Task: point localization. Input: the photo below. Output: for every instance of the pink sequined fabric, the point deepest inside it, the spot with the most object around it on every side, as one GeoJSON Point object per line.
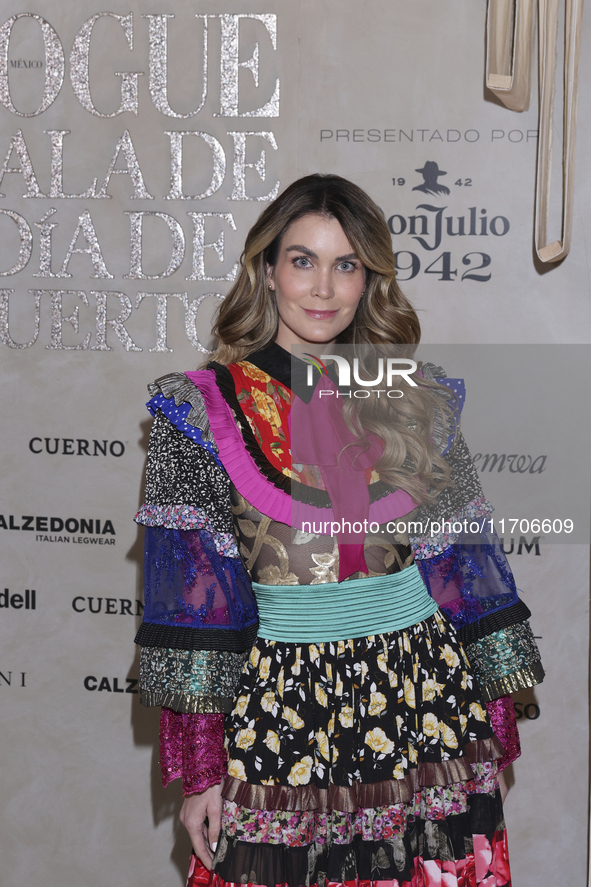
{"type": "Point", "coordinates": [502, 715]}
{"type": "Point", "coordinates": [192, 748]}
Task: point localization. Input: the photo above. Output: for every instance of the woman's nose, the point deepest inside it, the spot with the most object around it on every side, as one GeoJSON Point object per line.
{"type": "Point", "coordinates": [323, 287]}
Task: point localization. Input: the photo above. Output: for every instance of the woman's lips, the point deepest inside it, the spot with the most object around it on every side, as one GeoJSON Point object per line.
{"type": "Point", "coordinates": [320, 315]}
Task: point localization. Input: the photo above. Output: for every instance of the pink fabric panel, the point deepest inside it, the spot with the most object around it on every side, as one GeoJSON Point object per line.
{"type": "Point", "coordinates": [255, 488]}
{"type": "Point", "coordinates": [502, 715]}
{"type": "Point", "coordinates": [192, 749]}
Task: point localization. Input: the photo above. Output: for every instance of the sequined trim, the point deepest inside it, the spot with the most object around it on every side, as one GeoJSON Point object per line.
{"type": "Point", "coordinates": [187, 704]}
{"type": "Point", "coordinates": [431, 546]}
{"type": "Point", "coordinates": [187, 517]}
{"type": "Point", "coordinates": [506, 661]}
{"type": "Point", "coordinates": [189, 681]}
{"type": "Point", "coordinates": [192, 747]}
{"type": "Point", "coordinates": [181, 472]}
{"type": "Point", "coordinates": [519, 680]}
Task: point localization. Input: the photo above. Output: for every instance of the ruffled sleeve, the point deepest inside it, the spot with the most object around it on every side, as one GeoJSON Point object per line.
{"type": "Point", "coordinates": [466, 571]}
{"type": "Point", "coordinates": [200, 616]}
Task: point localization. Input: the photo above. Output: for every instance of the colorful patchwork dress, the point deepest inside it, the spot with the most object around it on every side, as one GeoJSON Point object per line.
{"type": "Point", "coordinates": [362, 739]}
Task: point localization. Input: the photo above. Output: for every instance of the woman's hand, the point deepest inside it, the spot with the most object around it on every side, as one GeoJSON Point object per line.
{"type": "Point", "coordinates": [195, 810]}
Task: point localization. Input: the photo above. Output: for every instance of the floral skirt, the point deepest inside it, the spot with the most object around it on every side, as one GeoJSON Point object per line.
{"type": "Point", "coordinates": [368, 761]}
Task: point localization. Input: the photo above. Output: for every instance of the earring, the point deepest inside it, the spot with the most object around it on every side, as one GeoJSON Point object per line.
{"type": "Point", "coordinates": [271, 289]}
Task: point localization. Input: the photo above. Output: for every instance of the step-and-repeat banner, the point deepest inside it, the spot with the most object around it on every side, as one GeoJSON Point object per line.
{"type": "Point", "coordinates": [138, 143]}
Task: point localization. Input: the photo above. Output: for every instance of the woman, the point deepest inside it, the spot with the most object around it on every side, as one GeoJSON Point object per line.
{"type": "Point", "coordinates": [359, 745]}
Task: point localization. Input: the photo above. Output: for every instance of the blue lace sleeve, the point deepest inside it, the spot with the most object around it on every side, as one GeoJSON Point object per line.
{"type": "Point", "coordinates": [188, 583]}
{"type": "Point", "coordinates": [470, 578]}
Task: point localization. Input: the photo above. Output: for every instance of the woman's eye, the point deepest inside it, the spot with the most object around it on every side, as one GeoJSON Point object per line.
{"type": "Point", "coordinates": [302, 262]}
{"type": "Point", "coordinates": [347, 266]}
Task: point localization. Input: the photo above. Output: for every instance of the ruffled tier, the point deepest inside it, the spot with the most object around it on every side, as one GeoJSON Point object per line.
{"type": "Point", "coordinates": [371, 823]}
{"type": "Point", "coordinates": [450, 836]}
{"type": "Point", "coordinates": [189, 681]}
{"type": "Point", "coordinates": [351, 798]}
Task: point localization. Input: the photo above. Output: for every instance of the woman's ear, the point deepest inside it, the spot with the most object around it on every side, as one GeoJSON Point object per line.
{"type": "Point", "coordinates": [270, 277]}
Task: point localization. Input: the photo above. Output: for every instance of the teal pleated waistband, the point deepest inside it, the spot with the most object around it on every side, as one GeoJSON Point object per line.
{"type": "Point", "coordinates": [336, 611]}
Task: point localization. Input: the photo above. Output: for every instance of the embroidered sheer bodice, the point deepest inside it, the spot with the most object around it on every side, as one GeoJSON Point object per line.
{"type": "Point", "coordinates": [276, 554]}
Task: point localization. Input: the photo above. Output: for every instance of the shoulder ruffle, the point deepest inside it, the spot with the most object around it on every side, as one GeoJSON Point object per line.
{"type": "Point", "coordinates": [179, 387]}
{"type": "Point", "coordinates": [182, 403]}
{"type": "Point", "coordinates": [225, 385]}
{"type": "Point", "coordinates": [444, 437]}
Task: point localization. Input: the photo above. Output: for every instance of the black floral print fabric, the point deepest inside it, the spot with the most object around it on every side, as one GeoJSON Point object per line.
{"type": "Point", "coordinates": [359, 711]}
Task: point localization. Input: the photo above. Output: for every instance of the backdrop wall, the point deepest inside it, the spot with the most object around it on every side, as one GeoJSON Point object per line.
{"type": "Point", "coordinates": [139, 141]}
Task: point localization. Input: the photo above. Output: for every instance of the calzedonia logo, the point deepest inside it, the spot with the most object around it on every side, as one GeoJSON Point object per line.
{"type": "Point", "coordinates": [74, 530]}
{"type": "Point", "coordinates": [111, 685]}
{"type": "Point", "coordinates": [388, 369]}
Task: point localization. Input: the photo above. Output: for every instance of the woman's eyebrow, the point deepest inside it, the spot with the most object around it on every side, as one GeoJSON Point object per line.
{"type": "Point", "coordinates": [308, 252]}
{"type": "Point", "coordinates": [301, 249]}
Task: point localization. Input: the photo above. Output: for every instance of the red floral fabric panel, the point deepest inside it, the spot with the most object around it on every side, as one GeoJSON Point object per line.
{"type": "Point", "coordinates": [487, 866]}
{"type": "Point", "coordinates": [266, 404]}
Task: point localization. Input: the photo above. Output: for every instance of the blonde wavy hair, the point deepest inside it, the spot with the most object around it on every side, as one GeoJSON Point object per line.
{"type": "Point", "coordinates": [247, 321]}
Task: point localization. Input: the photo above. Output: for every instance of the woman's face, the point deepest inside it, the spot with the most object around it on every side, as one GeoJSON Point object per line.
{"type": "Point", "coordinates": [318, 281]}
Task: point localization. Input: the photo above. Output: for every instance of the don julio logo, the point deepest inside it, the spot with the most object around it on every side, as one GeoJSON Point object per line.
{"type": "Point", "coordinates": [16, 601]}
